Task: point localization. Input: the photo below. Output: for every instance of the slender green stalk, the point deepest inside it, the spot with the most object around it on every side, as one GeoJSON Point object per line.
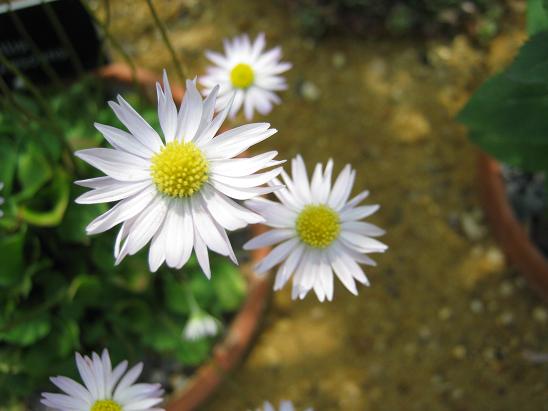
{"type": "Point", "coordinates": [113, 41]}
{"type": "Point", "coordinates": [42, 102]}
{"type": "Point", "coordinates": [167, 42]}
{"type": "Point", "coordinates": [60, 31]}
{"type": "Point", "coordinates": [48, 69]}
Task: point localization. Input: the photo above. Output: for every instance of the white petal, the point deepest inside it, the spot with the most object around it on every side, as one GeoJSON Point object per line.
{"type": "Point", "coordinates": [226, 212]}
{"type": "Point", "coordinates": [123, 141]}
{"type": "Point", "coordinates": [208, 229]}
{"type": "Point", "coordinates": [363, 228]}
{"type": "Point", "coordinates": [146, 226]}
{"type": "Point", "coordinates": [358, 213]}
{"type": "Point", "coordinates": [122, 211]}
{"type": "Point", "coordinates": [239, 193]}
{"type": "Point", "coordinates": [252, 180]}
{"type": "Point", "coordinates": [344, 274]}
{"type": "Point", "coordinates": [201, 253]}
{"type": "Point", "coordinates": [136, 124]}
{"type": "Point", "coordinates": [128, 379]}
{"type": "Point", "coordinates": [269, 238]}
{"type": "Point", "coordinates": [72, 388]}
{"type": "Point", "coordinates": [192, 116]}
{"type": "Point", "coordinates": [167, 111]}
{"type": "Point", "coordinates": [356, 200]}
{"type": "Point", "coordinates": [208, 110]}
{"type": "Point", "coordinates": [288, 267]}
{"type": "Point", "coordinates": [278, 254]}
{"type": "Point", "coordinates": [275, 214]}
{"type": "Point", "coordinates": [341, 188]}
{"type": "Point", "coordinates": [113, 191]}
{"type": "Point", "coordinates": [233, 142]}
{"type": "Point", "coordinates": [117, 164]}
{"type": "Point", "coordinates": [362, 243]}
{"type": "Point", "coordinates": [238, 167]}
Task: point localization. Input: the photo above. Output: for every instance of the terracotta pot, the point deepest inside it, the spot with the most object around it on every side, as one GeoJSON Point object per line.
{"type": "Point", "coordinates": [227, 353]}
{"type": "Point", "coordinates": [509, 232]}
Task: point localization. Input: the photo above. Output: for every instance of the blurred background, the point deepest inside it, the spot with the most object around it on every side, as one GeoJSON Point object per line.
{"type": "Point", "coordinates": [447, 323]}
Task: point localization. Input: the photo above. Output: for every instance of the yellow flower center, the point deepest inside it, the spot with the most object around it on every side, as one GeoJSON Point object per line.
{"type": "Point", "coordinates": [105, 405]}
{"type": "Point", "coordinates": [318, 225]}
{"type": "Point", "coordinates": [179, 170]}
{"type": "Point", "coordinates": [242, 76]}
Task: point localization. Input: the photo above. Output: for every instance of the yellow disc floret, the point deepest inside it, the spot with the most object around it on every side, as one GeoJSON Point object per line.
{"type": "Point", "coordinates": [318, 225]}
{"type": "Point", "coordinates": [106, 405]}
{"type": "Point", "coordinates": [179, 170]}
{"type": "Point", "coordinates": [242, 76]}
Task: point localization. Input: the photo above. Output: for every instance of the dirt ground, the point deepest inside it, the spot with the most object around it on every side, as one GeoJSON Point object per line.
{"type": "Point", "coordinates": [445, 325]}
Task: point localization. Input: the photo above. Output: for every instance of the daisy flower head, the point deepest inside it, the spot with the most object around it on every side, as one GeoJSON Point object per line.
{"type": "Point", "coordinates": [201, 325]}
{"type": "Point", "coordinates": [319, 231]}
{"type": "Point", "coordinates": [284, 406]}
{"type": "Point", "coordinates": [104, 389]}
{"type": "Point", "coordinates": [254, 74]}
{"type": "Point", "coordinates": [176, 192]}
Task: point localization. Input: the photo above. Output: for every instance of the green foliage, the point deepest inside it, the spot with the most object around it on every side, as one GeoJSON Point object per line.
{"type": "Point", "coordinates": [59, 289]}
{"type": "Point", "coordinates": [537, 16]}
{"type": "Point", "coordinates": [507, 115]}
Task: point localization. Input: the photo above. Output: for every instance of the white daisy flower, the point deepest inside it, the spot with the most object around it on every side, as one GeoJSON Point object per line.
{"type": "Point", "coordinates": [319, 231]}
{"type": "Point", "coordinates": [176, 192]}
{"type": "Point", "coordinates": [1, 198]}
{"type": "Point", "coordinates": [249, 71]}
{"type": "Point", "coordinates": [201, 325]}
{"type": "Point", "coordinates": [104, 389]}
{"type": "Point", "coordinates": [284, 406]}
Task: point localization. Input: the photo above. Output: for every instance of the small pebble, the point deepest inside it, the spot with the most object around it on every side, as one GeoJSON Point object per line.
{"type": "Point", "coordinates": [425, 333]}
{"type": "Point", "coordinates": [310, 91]}
{"type": "Point", "coordinates": [445, 313]}
{"type": "Point", "coordinates": [457, 393]}
{"type": "Point", "coordinates": [506, 289]}
{"type": "Point", "coordinates": [338, 60]}
{"type": "Point", "coordinates": [489, 353]}
{"type": "Point", "coordinates": [459, 352]}
{"type": "Point", "coordinates": [476, 306]}
{"type": "Point", "coordinates": [540, 314]}
{"type": "Point", "coordinates": [506, 318]}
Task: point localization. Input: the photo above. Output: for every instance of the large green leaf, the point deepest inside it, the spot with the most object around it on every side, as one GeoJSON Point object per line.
{"type": "Point", "coordinates": [537, 16]}
{"type": "Point", "coordinates": [58, 196]}
{"type": "Point", "coordinates": [229, 286]}
{"type": "Point", "coordinates": [11, 257]}
{"type": "Point", "coordinates": [531, 63]}
{"type": "Point", "coordinates": [27, 331]}
{"type": "Point", "coordinates": [509, 119]}
{"type": "Point", "coordinates": [33, 169]}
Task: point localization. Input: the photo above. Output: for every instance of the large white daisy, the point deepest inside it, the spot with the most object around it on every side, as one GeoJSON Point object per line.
{"type": "Point", "coordinates": [319, 231]}
{"type": "Point", "coordinates": [284, 406]}
{"type": "Point", "coordinates": [176, 192]}
{"type": "Point", "coordinates": [104, 389]}
{"type": "Point", "coordinates": [252, 73]}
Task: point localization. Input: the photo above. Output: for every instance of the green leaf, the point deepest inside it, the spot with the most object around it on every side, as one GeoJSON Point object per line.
{"type": "Point", "coordinates": [28, 331]}
{"type": "Point", "coordinates": [8, 162]}
{"type": "Point", "coordinates": [531, 63]}
{"type": "Point", "coordinates": [59, 198]}
{"type": "Point", "coordinates": [537, 16]}
{"type": "Point", "coordinates": [229, 286]}
{"type": "Point", "coordinates": [77, 217]}
{"type": "Point", "coordinates": [509, 120]}
{"type": "Point", "coordinates": [33, 170]}
{"type": "Point", "coordinates": [175, 295]}
{"type": "Point", "coordinates": [11, 258]}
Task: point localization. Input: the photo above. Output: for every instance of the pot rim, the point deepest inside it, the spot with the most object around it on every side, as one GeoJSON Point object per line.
{"type": "Point", "coordinates": [508, 231]}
